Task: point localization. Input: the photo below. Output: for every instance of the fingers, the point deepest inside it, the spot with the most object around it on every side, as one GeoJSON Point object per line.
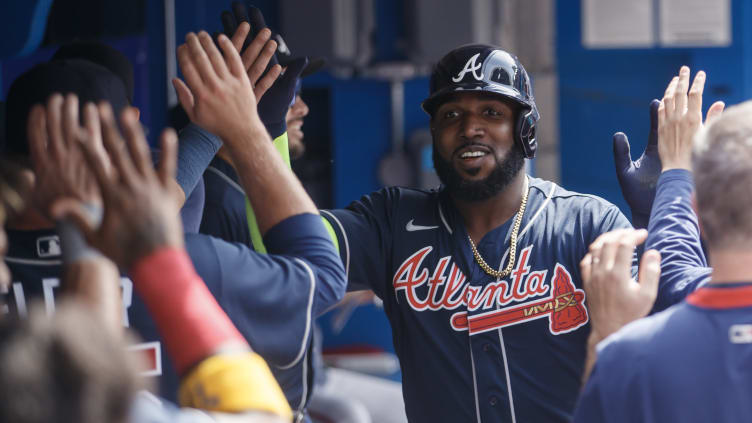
{"type": "Point", "coordinates": [258, 54]}
{"type": "Point", "coordinates": [295, 68]}
{"type": "Point", "coordinates": [611, 253]}
{"type": "Point", "coordinates": [662, 119]}
{"type": "Point", "coordinates": [263, 85]}
{"type": "Point", "coordinates": [232, 57]}
{"type": "Point", "coordinates": [185, 97]}
{"type": "Point", "coordinates": [240, 35]}
{"type": "Point", "coordinates": [714, 111]}
{"type": "Point", "coordinates": [190, 72]}
{"type": "Point", "coordinates": [54, 128]}
{"type": "Point", "coordinates": [668, 96]}
{"type": "Point", "coordinates": [37, 133]}
{"type": "Point", "coordinates": [94, 135]}
{"type": "Point", "coordinates": [113, 143]}
{"type": "Point", "coordinates": [622, 157]}
{"type": "Point", "coordinates": [228, 23]}
{"type": "Point", "coordinates": [97, 161]}
{"type": "Point", "coordinates": [239, 11]}
{"type": "Point", "coordinates": [215, 57]}
{"type": "Point", "coordinates": [71, 126]}
{"type": "Point", "coordinates": [136, 142]}
{"type": "Point", "coordinates": [680, 95]}
{"type": "Point", "coordinates": [650, 273]}
{"type": "Point", "coordinates": [694, 104]}
{"type": "Point", "coordinates": [198, 57]}
{"type": "Point", "coordinates": [168, 161]}
{"type": "Point", "coordinates": [626, 247]}
{"type": "Point", "coordinates": [653, 134]}
{"type": "Point", "coordinates": [585, 268]}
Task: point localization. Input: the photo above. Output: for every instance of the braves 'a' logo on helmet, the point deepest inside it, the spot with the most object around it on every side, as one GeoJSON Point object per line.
{"type": "Point", "coordinates": [471, 66]}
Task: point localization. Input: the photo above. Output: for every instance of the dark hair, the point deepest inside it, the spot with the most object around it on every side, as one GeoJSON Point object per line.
{"type": "Point", "coordinates": [103, 55]}
{"type": "Point", "coordinates": [89, 81]}
{"type": "Point", "coordinates": [67, 368]}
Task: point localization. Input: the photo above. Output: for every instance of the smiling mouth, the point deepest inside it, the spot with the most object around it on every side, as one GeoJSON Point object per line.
{"type": "Point", "coordinates": [472, 154]}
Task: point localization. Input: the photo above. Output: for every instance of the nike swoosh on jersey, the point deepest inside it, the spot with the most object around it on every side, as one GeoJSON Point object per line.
{"type": "Point", "coordinates": [410, 227]}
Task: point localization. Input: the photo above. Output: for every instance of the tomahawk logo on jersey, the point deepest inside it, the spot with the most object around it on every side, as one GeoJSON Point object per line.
{"type": "Point", "coordinates": [564, 306]}
{"type": "Point", "coordinates": [471, 347]}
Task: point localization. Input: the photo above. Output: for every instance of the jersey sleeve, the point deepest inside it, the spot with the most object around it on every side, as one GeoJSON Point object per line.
{"type": "Point", "coordinates": [673, 231]}
{"type": "Point", "coordinates": [266, 295]}
{"type": "Point", "coordinates": [364, 237]}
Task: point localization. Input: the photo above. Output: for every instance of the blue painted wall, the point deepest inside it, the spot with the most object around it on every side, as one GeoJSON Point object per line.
{"type": "Point", "coordinates": [605, 91]}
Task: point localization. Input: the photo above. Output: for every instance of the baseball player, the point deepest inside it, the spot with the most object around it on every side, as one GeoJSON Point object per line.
{"type": "Point", "coordinates": [480, 278]}
{"type": "Point", "coordinates": [639, 180]}
{"type": "Point", "coordinates": [689, 363]}
{"type": "Point", "coordinates": [273, 308]}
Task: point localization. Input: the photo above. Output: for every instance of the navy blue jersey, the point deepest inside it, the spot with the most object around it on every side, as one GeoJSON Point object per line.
{"type": "Point", "coordinates": [224, 209]}
{"type": "Point", "coordinates": [271, 298]}
{"type": "Point", "coordinates": [673, 231]}
{"type": "Point", "coordinates": [35, 264]}
{"type": "Point", "coordinates": [690, 363]}
{"type": "Point", "coordinates": [473, 348]}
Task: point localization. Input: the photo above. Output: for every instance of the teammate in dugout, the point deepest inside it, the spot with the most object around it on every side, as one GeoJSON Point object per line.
{"type": "Point", "coordinates": [81, 351]}
{"type": "Point", "coordinates": [706, 341]}
{"type": "Point", "coordinates": [480, 279]}
{"type": "Point", "coordinates": [291, 224]}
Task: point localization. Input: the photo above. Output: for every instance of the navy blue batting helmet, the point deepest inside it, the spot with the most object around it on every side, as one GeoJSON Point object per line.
{"type": "Point", "coordinates": [480, 67]}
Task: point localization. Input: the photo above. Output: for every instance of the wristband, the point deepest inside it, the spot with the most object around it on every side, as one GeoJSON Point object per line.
{"type": "Point", "coordinates": [72, 242]}
{"type": "Point", "coordinates": [191, 323]}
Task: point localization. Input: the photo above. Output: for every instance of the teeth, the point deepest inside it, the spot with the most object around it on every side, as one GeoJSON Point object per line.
{"type": "Point", "coordinates": [469, 154]}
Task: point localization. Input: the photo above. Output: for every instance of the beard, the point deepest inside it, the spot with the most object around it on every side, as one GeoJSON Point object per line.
{"type": "Point", "coordinates": [474, 191]}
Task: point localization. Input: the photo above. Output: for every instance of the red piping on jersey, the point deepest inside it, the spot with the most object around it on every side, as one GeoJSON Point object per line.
{"type": "Point", "coordinates": [720, 298]}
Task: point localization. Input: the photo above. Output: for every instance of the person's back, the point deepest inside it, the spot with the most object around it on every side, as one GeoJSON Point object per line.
{"type": "Point", "coordinates": [686, 364]}
{"type": "Point", "coordinates": [693, 361]}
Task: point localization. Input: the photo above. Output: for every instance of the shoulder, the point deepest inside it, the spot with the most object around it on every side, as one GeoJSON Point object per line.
{"type": "Point", "coordinates": [644, 339]}
{"type": "Point", "coordinates": [558, 194]}
{"type": "Point", "coordinates": [568, 206]}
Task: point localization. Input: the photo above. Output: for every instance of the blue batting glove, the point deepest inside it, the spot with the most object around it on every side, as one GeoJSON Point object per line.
{"type": "Point", "coordinates": [638, 178]}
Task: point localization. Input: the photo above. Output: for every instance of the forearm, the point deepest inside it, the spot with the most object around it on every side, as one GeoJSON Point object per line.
{"type": "Point", "coordinates": [196, 149]}
{"type": "Point", "coordinates": [675, 233]}
{"type": "Point", "coordinates": [267, 180]}
{"type": "Point", "coordinates": [96, 282]}
{"type": "Point", "coordinates": [305, 236]}
{"type": "Point", "coordinates": [189, 319]}
{"type": "Point", "coordinates": [91, 277]}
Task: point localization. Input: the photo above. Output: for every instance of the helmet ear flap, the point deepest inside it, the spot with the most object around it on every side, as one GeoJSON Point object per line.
{"type": "Point", "coordinates": [525, 132]}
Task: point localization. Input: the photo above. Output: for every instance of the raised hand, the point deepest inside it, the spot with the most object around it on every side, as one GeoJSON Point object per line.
{"type": "Point", "coordinates": [54, 133]}
{"type": "Point", "coordinates": [637, 179]}
{"type": "Point", "coordinates": [613, 297]}
{"type": "Point", "coordinates": [680, 117]}
{"type": "Point", "coordinates": [217, 93]}
{"type": "Point", "coordinates": [140, 215]}
{"type": "Point", "coordinates": [256, 57]}
{"type": "Point", "coordinates": [273, 107]}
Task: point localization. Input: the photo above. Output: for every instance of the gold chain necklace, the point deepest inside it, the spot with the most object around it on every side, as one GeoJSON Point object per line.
{"type": "Point", "coordinates": [512, 243]}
